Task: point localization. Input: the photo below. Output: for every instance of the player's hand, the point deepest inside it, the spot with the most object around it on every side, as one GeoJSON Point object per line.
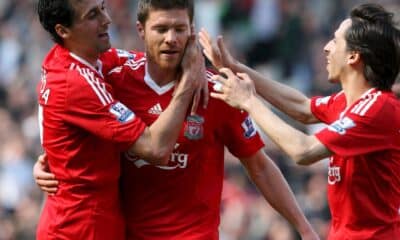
{"type": "Point", "coordinates": [235, 90]}
{"type": "Point", "coordinates": [216, 52]}
{"type": "Point", "coordinates": [194, 73]}
{"type": "Point", "coordinates": [396, 89]}
{"type": "Point", "coordinates": [199, 92]}
{"type": "Point", "coordinates": [43, 177]}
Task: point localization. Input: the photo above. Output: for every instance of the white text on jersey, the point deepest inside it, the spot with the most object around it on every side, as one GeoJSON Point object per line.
{"type": "Point", "coordinates": [177, 160]}
{"type": "Point", "coordinates": [44, 93]}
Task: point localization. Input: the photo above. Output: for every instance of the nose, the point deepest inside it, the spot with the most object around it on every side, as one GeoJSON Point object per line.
{"type": "Point", "coordinates": [327, 47]}
{"type": "Point", "coordinates": [106, 18]}
{"type": "Point", "coordinates": [171, 37]}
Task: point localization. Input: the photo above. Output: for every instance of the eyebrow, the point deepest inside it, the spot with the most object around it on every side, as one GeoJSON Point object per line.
{"type": "Point", "coordinates": [169, 25]}
{"type": "Point", "coordinates": [92, 9]}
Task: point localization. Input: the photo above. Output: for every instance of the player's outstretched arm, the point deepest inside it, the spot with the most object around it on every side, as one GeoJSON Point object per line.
{"type": "Point", "coordinates": [272, 185]}
{"type": "Point", "coordinates": [238, 91]}
{"type": "Point", "coordinates": [158, 140]}
{"type": "Point", "coordinates": [43, 177]}
{"type": "Point", "coordinates": [283, 97]}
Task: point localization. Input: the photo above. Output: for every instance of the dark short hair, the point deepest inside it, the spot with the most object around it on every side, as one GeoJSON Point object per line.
{"type": "Point", "coordinates": [373, 34]}
{"type": "Point", "coordinates": [53, 12]}
{"type": "Point", "coordinates": [145, 6]}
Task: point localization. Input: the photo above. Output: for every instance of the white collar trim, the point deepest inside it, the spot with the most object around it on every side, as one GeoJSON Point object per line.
{"type": "Point", "coordinates": [153, 85]}
{"type": "Point", "coordinates": [366, 93]}
{"type": "Point", "coordinates": [363, 96]}
{"type": "Point", "coordinates": [97, 68]}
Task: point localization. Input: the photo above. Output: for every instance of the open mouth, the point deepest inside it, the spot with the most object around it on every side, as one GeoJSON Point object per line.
{"type": "Point", "coordinates": [104, 36]}
{"type": "Point", "coordinates": [169, 52]}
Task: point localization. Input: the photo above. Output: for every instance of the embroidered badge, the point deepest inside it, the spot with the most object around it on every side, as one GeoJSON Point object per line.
{"type": "Point", "coordinates": [125, 54]}
{"type": "Point", "coordinates": [121, 112]}
{"type": "Point", "coordinates": [194, 127]}
{"type": "Point", "coordinates": [248, 127]}
{"type": "Point", "coordinates": [340, 126]}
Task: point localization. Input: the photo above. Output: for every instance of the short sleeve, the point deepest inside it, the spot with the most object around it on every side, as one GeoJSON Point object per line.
{"type": "Point", "coordinates": [325, 108]}
{"type": "Point", "coordinates": [91, 106]}
{"type": "Point", "coordinates": [238, 132]}
{"type": "Point", "coordinates": [356, 135]}
{"type": "Point", "coordinates": [114, 58]}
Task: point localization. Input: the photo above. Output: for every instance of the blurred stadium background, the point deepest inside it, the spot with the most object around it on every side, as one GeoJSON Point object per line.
{"type": "Point", "coordinates": [282, 38]}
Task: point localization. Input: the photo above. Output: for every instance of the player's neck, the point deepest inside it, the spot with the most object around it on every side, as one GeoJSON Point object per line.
{"type": "Point", "coordinates": [354, 86]}
{"type": "Point", "coordinates": [88, 56]}
{"type": "Point", "coordinates": [161, 76]}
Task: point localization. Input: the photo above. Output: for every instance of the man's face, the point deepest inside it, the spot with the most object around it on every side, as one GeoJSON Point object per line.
{"type": "Point", "coordinates": [337, 55]}
{"type": "Point", "coordinates": [89, 31]}
{"type": "Point", "coordinates": [165, 34]}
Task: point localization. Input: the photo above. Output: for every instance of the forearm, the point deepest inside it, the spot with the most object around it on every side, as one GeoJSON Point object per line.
{"type": "Point", "coordinates": [166, 129]}
{"type": "Point", "coordinates": [287, 99]}
{"type": "Point", "coordinates": [276, 191]}
{"type": "Point", "coordinates": [158, 140]}
{"type": "Point", "coordinates": [303, 149]}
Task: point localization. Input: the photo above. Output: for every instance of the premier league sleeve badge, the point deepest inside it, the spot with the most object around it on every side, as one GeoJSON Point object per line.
{"type": "Point", "coordinates": [194, 127]}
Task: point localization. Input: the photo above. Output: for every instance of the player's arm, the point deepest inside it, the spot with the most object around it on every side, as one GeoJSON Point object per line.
{"type": "Point", "coordinates": [272, 185]}
{"type": "Point", "coordinates": [287, 99]}
{"type": "Point", "coordinates": [283, 97]}
{"type": "Point", "coordinates": [239, 92]}
{"type": "Point", "coordinates": [302, 148]}
{"type": "Point", "coordinates": [157, 141]}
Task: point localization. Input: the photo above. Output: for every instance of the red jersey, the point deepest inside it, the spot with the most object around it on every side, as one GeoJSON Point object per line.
{"type": "Point", "coordinates": [83, 130]}
{"type": "Point", "coordinates": [181, 200]}
{"type": "Point", "coordinates": [364, 172]}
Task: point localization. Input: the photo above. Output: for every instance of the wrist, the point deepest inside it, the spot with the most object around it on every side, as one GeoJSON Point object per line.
{"type": "Point", "coordinates": [185, 87]}
{"type": "Point", "coordinates": [182, 94]}
{"type": "Point", "coordinates": [236, 66]}
{"type": "Point", "coordinates": [249, 104]}
{"type": "Point", "coordinates": [306, 231]}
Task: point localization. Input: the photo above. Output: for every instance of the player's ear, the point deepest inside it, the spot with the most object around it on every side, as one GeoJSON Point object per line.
{"type": "Point", "coordinates": [353, 57]}
{"type": "Point", "coordinates": [140, 29]}
{"type": "Point", "coordinates": [62, 31]}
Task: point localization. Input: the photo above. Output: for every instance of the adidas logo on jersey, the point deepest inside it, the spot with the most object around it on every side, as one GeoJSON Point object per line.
{"type": "Point", "coordinates": [156, 109]}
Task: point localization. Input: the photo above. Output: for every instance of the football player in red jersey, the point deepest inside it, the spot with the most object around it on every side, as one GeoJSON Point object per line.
{"type": "Point", "coordinates": [362, 136]}
{"type": "Point", "coordinates": [182, 199]}
{"type": "Point", "coordinates": [83, 127]}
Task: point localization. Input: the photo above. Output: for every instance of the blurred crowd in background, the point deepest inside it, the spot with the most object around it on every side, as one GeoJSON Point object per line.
{"type": "Point", "coordinates": [283, 39]}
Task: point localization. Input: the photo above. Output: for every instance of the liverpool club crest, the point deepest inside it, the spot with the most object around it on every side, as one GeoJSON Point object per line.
{"type": "Point", "coordinates": [194, 127]}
